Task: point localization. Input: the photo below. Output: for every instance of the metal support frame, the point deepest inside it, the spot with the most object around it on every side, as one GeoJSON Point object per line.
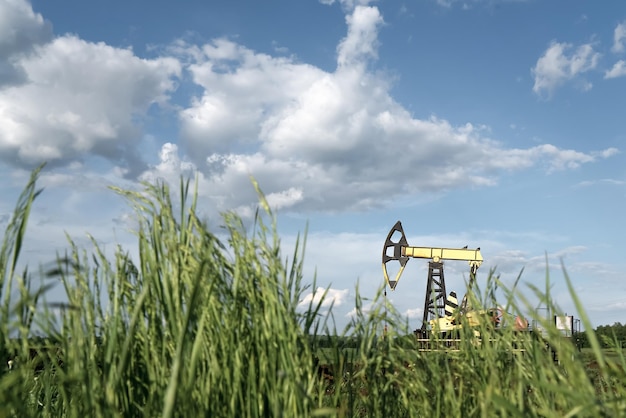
{"type": "Point", "coordinates": [435, 300]}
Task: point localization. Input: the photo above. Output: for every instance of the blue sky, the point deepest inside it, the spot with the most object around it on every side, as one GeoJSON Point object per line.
{"type": "Point", "coordinates": [494, 124]}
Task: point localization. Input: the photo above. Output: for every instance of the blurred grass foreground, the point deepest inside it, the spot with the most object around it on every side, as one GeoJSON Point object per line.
{"type": "Point", "coordinates": [199, 326]}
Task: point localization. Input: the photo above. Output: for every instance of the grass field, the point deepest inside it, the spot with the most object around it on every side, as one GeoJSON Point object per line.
{"type": "Point", "coordinates": [200, 326]}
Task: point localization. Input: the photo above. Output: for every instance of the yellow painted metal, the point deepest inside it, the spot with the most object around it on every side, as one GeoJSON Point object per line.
{"type": "Point", "coordinates": [392, 283]}
{"type": "Point", "coordinates": [438, 254]}
{"type": "Point", "coordinates": [474, 257]}
{"type": "Point", "coordinates": [398, 250]}
{"type": "Point", "coordinates": [473, 318]}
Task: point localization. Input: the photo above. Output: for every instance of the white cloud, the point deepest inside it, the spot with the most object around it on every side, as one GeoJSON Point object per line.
{"type": "Point", "coordinates": [20, 29]}
{"type": "Point", "coordinates": [609, 152]}
{"type": "Point", "coordinates": [348, 4]}
{"type": "Point", "coordinates": [416, 313]}
{"type": "Point", "coordinates": [612, 182]}
{"type": "Point", "coordinates": [619, 37]}
{"type": "Point", "coordinates": [618, 70]}
{"type": "Point", "coordinates": [560, 159]}
{"type": "Point", "coordinates": [314, 140]}
{"type": "Point", "coordinates": [330, 141]}
{"type": "Point", "coordinates": [556, 66]}
{"type": "Point", "coordinates": [512, 261]}
{"type": "Point", "coordinates": [365, 309]}
{"type": "Point", "coordinates": [170, 167]}
{"type": "Point", "coordinates": [334, 297]}
{"type": "Point", "coordinates": [361, 43]}
{"type": "Point", "coordinates": [220, 195]}
{"type": "Point", "coordinates": [75, 97]}
{"type": "Point", "coordinates": [285, 198]}
{"type": "Point", "coordinates": [240, 89]}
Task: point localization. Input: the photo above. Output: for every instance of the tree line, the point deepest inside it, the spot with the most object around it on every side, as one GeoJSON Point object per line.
{"type": "Point", "coordinates": [610, 336]}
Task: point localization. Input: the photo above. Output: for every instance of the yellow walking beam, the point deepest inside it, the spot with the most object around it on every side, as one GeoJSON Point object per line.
{"type": "Point", "coordinates": [400, 251]}
{"type": "Point", "coordinates": [438, 254]}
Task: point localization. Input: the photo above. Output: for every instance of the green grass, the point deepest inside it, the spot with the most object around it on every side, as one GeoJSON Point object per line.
{"type": "Point", "coordinates": [202, 326]}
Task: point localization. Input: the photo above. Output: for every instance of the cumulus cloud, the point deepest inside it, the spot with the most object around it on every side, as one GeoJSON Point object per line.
{"type": "Point", "coordinates": [334, 297]}
{"type": "Point", "coordinates": [170, 168]}
{"type": "Point", "coordinates": [365, 310]}
{"type": "Point", "coordinates": [240, 89]}
{"type": "Point", "coordinates": [416, 313]}
{"type": "Point", "coordinates": [560, 64]}
{"type": "Point", "coordinates": [619, 37]}
{"type": "Point", "coordinates": [76, 97]}
{"type": "Point", "coordinates": [511, 261]}
{"type": "Point", "coordinates": [313, 139]}
{"type": "Point", "coordinates": [319, 140]}
{"type": "Point", "coordinates": [20, 27]}
{"type": "Point", "coordinates": [20, 30]}
{"type": "Point", "coordinates": [361, 43]}
{"type": "Point", "coordinates": [560, 159]}
{"type": "Point", "coordinates": [618, 70]}
{"type": "Point", "coordinates": [285, 198]}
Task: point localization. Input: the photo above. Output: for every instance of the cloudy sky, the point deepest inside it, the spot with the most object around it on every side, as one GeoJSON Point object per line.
{"type": "Point", "coordinates": [490, 123]}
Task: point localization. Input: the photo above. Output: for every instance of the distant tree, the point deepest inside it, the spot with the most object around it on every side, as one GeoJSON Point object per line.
{"type": "Point", "coordinates": [611, 336]}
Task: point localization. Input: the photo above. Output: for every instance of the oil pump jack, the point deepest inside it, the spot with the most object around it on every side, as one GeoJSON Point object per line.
{"type": "Point", "coordinates": [439, 309]}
